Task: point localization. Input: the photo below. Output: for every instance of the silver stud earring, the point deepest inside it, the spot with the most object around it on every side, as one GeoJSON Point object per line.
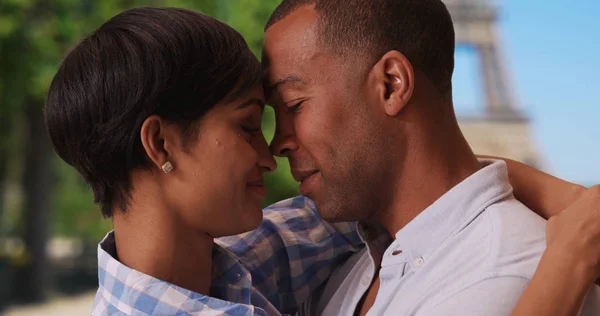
{"type": "Point", "coordinates": [167, 167]}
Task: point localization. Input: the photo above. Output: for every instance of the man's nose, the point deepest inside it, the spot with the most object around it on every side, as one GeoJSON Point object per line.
{"type": "Point", "coordinates": [284, 141]}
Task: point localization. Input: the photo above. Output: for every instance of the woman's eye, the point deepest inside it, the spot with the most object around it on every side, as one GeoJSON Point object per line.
{"type": "Point", "coordinates": [250, 130]}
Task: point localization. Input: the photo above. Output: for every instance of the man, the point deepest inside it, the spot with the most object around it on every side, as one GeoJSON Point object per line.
{"type": "Point", "coordinates": [362, 91]}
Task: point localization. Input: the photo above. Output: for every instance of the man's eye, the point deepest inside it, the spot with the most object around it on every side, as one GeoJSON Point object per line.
{"type": "Point", "coordinates": [295, 107]}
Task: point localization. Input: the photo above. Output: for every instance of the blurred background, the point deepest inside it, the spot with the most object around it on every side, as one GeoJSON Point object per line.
{"type": "Point", "coordinates": [525, 87]}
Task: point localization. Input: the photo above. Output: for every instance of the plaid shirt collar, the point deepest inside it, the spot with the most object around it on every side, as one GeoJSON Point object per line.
{"type": "Point", "coordinates": [128, 291]}
{"type": "Point", "coordinates": [275, 268]}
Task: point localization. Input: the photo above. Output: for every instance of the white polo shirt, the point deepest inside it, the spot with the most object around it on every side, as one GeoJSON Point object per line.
{"type": "Point", "coordinates": [472, 252]}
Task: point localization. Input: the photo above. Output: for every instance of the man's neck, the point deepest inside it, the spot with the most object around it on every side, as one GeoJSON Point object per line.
{"type": "Point", "coordinates": [150, 239]}
{"type": "Point", "coordinates": [439, 159]}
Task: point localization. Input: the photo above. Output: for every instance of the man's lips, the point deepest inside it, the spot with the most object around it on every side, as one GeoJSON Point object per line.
{"type": "Point", "coordinates": [301, 175]}
{"type": "Point", "coordinates": [306, 179]}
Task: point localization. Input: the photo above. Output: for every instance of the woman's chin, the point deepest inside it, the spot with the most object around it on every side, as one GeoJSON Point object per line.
{"type": "Point", "coordinates": [249, 220]}
{"type": "Point", "coordinates": [254, 218]}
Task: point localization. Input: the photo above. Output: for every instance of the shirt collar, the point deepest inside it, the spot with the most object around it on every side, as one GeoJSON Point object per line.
{"type": "Point", "coordinates": [375, 237]}
{"type": "Point", "coordinates": [129, 290]}
{"type": "Point", "coordinates": [453, 211]}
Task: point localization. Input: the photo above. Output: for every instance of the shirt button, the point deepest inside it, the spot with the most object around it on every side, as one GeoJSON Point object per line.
{"type": "Point", "coordinates": [419, 262]}
{"type": "Point", "coordinates": [396, 252]}
{"type": "Point", "coordinates": [365, 281]}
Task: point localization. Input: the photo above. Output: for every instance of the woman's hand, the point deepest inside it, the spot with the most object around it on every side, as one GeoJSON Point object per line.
{"type": "Point", "coordinates": [571, 262]}
{"type": "Point", "coordinates": [574, 234]}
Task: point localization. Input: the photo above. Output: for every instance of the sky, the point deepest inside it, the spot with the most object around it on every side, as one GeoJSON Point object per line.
{"type": "Point", "coordinates": [552, 52]}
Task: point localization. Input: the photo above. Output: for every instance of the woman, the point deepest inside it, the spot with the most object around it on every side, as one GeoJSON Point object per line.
{"type": "Point", "coordinates": [160, 111]}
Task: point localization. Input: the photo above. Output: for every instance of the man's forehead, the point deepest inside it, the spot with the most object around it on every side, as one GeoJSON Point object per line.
{"type": "Point", "coordinates": [304, 19]}
{"type": "Point", "coordinates": [293, 39]}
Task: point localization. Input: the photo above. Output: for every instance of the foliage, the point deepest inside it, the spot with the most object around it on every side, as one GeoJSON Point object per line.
{"type": "Point", "coordinates": [34, 37]}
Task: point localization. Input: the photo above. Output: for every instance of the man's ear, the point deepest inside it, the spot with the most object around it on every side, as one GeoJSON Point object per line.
{"type": "Point", "coordinates": [392, 78]}
{"type": "Point", "coordinates": [159, 140]}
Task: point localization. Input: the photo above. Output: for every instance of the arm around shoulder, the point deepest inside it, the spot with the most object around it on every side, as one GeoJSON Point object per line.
{"type": "Point", "coordinates": [544, 194]}
{"type": "Point", "coordinates": [293, 251]}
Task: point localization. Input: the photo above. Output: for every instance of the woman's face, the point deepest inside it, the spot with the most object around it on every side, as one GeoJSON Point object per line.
{"type": "Point", "coordinates": [219, 185]}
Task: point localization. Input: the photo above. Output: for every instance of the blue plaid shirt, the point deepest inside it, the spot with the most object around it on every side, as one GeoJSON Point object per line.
{"type": "Point", "coordinates": [268, 271]}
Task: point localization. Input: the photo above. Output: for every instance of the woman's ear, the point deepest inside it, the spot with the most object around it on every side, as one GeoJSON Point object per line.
{"type": "Point", "coordinates": [159, 140]}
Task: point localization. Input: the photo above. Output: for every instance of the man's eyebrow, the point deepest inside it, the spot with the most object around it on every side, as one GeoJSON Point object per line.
{"type": "Point", "coordinates": [253, 101]}
{"type": "Point", "coordinates": [283, 81]}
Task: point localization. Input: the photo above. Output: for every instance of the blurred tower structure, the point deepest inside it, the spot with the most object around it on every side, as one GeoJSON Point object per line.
{"type": "Point", "coordinates": [502, 130]}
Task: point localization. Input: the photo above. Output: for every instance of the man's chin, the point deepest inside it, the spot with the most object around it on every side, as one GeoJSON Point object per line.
{"type": "Point", "coordinates": [328, 210]}
{"type": "Point", "coordinates": [334, 212]}
{"type": "Point", "coordinates": [333, 217]}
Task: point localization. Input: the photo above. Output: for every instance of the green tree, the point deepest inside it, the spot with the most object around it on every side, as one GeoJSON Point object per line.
{"type": "Point", "coordinates": [34, 37]}
{"type": "Point", "coordinates": [20, 58]}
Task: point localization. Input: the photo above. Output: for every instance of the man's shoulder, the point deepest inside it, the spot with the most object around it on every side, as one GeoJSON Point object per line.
{"type": "Point", "coordinates": [506, 239]}
{"type": "Point", "coordinates": [501, 246]}
{"type": "Point", "coordinates": [518, 235]}
{"type": "Point", "coordinates": [518, 239]}
{"type": "Point", "coordinates": [510, 215]}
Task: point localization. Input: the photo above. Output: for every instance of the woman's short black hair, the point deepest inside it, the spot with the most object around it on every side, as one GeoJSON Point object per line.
{"type": "Point", "coordinates": [174, 63]}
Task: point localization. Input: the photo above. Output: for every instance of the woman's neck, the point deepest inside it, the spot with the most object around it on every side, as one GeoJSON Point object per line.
{"type": "Point", "coordinates": [151, 239]}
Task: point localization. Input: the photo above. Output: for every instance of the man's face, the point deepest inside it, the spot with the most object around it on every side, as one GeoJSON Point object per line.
{"type": "Point", "coordinates": [325, 125]}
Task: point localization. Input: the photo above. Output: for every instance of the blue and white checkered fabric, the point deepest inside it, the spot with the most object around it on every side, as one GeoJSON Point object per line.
{"type": "Point", "coordinates": [269, 271]}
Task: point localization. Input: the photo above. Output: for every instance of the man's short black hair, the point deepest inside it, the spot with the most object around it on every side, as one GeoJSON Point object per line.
{"type": "Point", "coordinates": [174, 63]}
{"type": "Point", "coordinates": [422, 30]}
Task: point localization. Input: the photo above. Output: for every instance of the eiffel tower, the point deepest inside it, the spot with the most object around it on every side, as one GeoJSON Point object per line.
{"type": "Point", "coordinates": [503, 130]}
